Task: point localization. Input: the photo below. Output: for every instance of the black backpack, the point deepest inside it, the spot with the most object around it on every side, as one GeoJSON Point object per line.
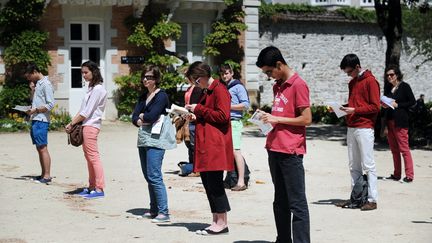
{"type": "Point", "coordinates": [231, 177]}
{"type": "Point", "coordinates": [359, 193]}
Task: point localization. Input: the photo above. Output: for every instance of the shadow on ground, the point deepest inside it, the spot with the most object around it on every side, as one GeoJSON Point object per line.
{"type": "Point", "coordinates": [75, 191]}
{"type": "Point", "coordinates": [252, 241]}
{"type": "Point", "coordinates": [421, 222]}
{"type": "Point", "coordinates": [326, 132]}
{"type": "Point", "coordinates": [328, 201]}
{"type": "Point", "coordinates": [138, 211]}
{"type": "Point", "coordinates": [192, 227]}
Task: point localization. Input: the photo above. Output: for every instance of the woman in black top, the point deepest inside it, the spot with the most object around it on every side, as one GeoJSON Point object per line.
{"type": "Point", "coordinates": [397, 123]}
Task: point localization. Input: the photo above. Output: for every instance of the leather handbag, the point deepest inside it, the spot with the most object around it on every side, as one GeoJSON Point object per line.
{"type": "Point", "coordinates": [75, 136]}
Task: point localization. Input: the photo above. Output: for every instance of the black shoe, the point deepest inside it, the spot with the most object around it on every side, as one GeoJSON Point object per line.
{"type": "Point", "coordinates": [392, 177]}
{"type": "Point", "coordinates": [407, 180]}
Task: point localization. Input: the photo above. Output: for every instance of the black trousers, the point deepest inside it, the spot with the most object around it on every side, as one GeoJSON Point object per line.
{"type": "Point", "coordinates": [214, 187]}
{"type": "Point", "coordinates": [290, 205]}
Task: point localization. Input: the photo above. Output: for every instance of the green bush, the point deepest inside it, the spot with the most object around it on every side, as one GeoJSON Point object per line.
{"type": "Point", "coordinates": [12, 96]}
{"type": "Point", "coordinates": [321, 114]}
{"type": "Point", "coordinates": [15, 121]}
{"type": "Point", "coordinates": [28, 47]}
{"type": "Point", "coordinates": [130, 87]}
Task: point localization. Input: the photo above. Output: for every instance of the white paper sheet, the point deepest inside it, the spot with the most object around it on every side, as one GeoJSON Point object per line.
{"type": "Point", "coordinates": [157, 126]}
{"type": "Point", "coordinates": [22, 108]}
{"type": "Point", "coordinates": [336, 108]}
{"type": "Point", "coordinates": [264, 127]}
{"type": "Point", "coordinates": [388, 101]}
{"type": "Point", "coordinates": [178, 110]}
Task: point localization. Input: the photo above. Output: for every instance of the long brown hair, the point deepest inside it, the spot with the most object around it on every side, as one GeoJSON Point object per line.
{"type": "Point", "coordinates": [96, 75]}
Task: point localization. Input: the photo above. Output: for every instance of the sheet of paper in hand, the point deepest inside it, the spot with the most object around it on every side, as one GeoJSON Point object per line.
{"type": "Point", "coordinates": [178, 110]}
{"type": "Point", "coordinates": [336, 108]}
{"type": "Point", "coordinates": [256, 119]}
{"type": "Point", "coordinates": [388, 101]}
{"type": "Point", "coordinates": [22, 108]}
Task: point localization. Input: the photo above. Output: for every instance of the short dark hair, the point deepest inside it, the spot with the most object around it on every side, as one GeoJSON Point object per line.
{"type": "Point", "coordinates": [396, 70]}
{"type": "Point", "coordinates": [155, 71]}
{"type": "Point", "coordinates": [225, 67]}
{"type": "Point", "coordinates": [94, 69]}
{"type": "Point", "coordinates": [351, 60]}
{"type": "Point", "coordinates": [198, 69]}
{"type": "Point", "coordinates": [269, 56]}
{"type": "Point", "coordinates": [31, 67]}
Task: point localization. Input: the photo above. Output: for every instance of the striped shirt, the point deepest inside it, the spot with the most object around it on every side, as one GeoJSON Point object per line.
{"type": "Point", "coordinates": [43, 96]}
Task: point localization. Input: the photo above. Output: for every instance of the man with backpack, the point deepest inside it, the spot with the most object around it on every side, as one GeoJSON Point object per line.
{"type": "Point", "coordinates": [362, 109]}
{"type": "Point", "coordinates": [239, 103]}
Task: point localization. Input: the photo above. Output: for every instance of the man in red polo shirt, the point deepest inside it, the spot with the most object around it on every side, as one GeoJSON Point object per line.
{"type": "Point", "coordinates": [286, 145]}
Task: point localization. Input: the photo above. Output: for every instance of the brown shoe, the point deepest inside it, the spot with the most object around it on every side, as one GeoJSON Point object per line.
{"type": "Point", "coordinates": [369, 206]}
{"type": "Point", "coordinates": [238, 188]}
{"type": "Point", "coordinates": [343, 203]}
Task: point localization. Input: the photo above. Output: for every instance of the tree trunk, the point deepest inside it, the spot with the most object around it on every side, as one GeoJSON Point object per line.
{"type": "Point", "coordinates": [389, 18]}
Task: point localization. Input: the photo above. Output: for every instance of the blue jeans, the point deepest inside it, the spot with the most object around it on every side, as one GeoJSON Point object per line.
{"type": "Point", "coordinates": [290, 197]}
{"type": "Point", "coordinates": [151, 165]}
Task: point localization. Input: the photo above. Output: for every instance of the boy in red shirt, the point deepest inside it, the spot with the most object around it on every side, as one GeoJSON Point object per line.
{"type": "Point", "coordinates": [286, 145]}
{"type": "Point", "coordinates": [363, 107]}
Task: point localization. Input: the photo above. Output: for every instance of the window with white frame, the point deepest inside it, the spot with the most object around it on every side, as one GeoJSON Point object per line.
{"type": "Point", "coordinates": [191, 41]}
{"type": "Point", "coordinates": [85, 43]}
{"type": "Point", "coordinates": [319, 2]}
{"type": "Point", "coordinates": [367, 2]}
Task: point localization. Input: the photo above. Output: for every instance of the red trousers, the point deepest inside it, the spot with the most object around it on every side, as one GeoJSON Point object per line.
{"type": "Point", "coordinates": [398, 141]}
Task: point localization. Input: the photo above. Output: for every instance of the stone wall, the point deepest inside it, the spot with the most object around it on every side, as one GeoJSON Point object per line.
{"type": "Point", "coordinates": [315, 49]}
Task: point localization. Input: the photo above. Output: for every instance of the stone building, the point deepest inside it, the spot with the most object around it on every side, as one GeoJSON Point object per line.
{"type": "Point", "coordinates": [315, 47]}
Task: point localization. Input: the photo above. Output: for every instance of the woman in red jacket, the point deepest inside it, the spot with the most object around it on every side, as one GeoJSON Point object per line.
{"type": "Point", "coordinates": [213, 143]}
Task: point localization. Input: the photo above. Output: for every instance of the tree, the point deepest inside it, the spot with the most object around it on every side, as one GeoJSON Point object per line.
{"type": "Point", "coordinates": [418, 26]}
{"type": "Point", "coordinates": [389, 18]}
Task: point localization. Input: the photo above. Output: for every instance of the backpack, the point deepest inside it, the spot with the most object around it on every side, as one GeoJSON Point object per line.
{"type": "Point", "coordinates": [231, 177]}
{"type": "Point", "coordinates": [359, 193]}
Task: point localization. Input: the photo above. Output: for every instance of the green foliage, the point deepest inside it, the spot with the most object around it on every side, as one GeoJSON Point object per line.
{"type": "Point", "coordinates": [165, 29]}
{"type": "Point", "coordinates": [359, 14]}
{"type": "Point", "coordinates": [17, 16]}
{"type": "Point", "coordinates": [321, 114]}
{"type": "Point", "coordinates": [15, 122]}
{"type": "Point", "coordinates": [269, 10]}
{"type": "Point", "coordinates": [59, 119]}
{"type": "Point", "coordinates": [28, 46]}
{"type": "Point", "coordinates": [12, 96]}
{"type": "Point", "coordinates": [130, 88]}
{"type": "Point", "coordinates": [226, 30]}
{"type": "Point", "coordinates": [140, 38]}
{"type": "Point", "coordinates": [417, 23]}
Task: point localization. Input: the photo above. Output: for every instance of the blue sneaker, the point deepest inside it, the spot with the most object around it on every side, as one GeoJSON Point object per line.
{"type": "Point", "coordinates": [85, 191]}
{"type": "Point", "coordinates": [44, 180]}
{"type": "Point", "coordinates": [161, 218]}
{"type": "Point", "coordinates": [93, 194]}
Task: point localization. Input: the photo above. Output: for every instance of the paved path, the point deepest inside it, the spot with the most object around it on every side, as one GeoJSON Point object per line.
{"type": "Point", "coordinates": [31, 212]}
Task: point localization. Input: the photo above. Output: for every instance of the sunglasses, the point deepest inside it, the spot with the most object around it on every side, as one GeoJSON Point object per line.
{"type": "Point", "coordinates": [390, 74]}
{"type": "Point", "coordinates": [149, 77]}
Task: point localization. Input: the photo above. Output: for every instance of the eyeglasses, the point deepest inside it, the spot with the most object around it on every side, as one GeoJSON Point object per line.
{"type": "Point", "coordinates": [149, 77]}
{"type": "Point", "coordinates": [197, 81]}
{"type": "Point", "coordinates": [390, 75]}
{"type": "Point", "coordinates": [268, 72]}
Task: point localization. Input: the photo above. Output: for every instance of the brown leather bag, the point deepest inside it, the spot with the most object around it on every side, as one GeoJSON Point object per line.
{"type": "Point", "coordinates": [75, 136]}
